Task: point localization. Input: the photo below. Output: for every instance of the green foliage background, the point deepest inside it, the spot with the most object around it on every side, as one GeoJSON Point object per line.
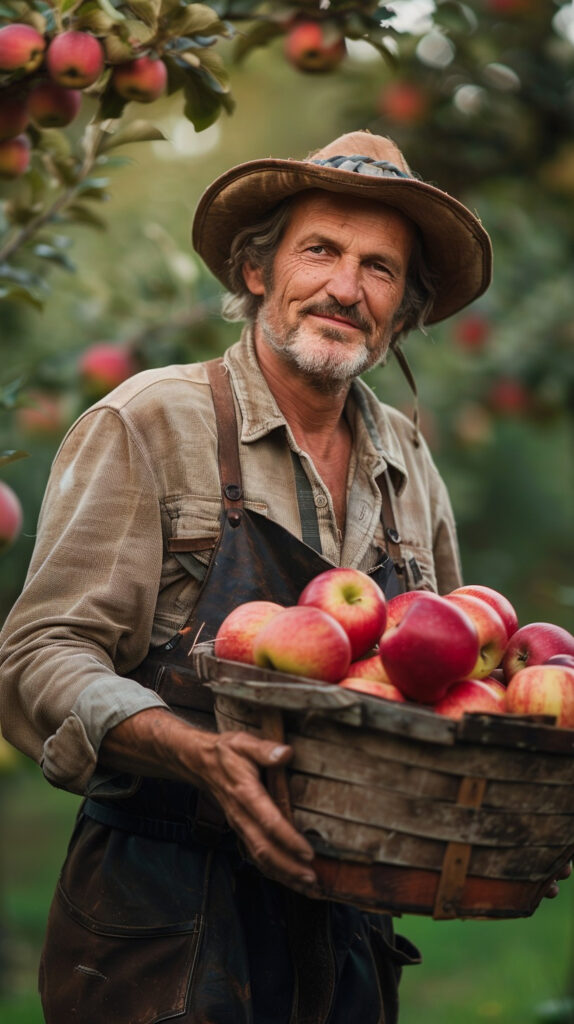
{"type": "Point", "coordinates": [494, 126]}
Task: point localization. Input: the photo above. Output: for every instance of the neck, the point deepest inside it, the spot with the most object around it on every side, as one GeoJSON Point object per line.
{"type": "Point", "coordinates": [314, 415]}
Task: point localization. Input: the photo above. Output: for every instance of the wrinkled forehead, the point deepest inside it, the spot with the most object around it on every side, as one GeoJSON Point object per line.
{"type": "Point", "coordinates": [316, 209]}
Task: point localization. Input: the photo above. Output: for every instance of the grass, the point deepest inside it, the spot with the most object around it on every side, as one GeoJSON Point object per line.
{"type": "Point", "coordinates": [505, 972]}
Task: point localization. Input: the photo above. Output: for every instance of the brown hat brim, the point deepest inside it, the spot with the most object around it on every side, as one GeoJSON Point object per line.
{"type": "Point", "coordinates": [457, 247]}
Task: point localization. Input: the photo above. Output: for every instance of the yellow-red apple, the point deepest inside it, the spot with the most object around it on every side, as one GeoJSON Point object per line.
{"type": "Point", "coordinates": [10, 516]}
{"type": "Point", "coordinates": [434, 645]}
{"type": "Point", "coordinates": [143, 79]}
{"type": "Point", "coordinates": [397, 606]}
{"type": "Point", "coordinates": [235, 636]}
{"type": "Point", "coordinates": [75, 59]}
{"type": "Point", "coordinates": [21, 48]}
{"type": "Point", "coordinates": [533, 644]}
{"type": "Point", "coordinates": [499, 602]}
{"type": "Point", "coordinates": [543, 690]}
{"type": "Point", "coordinates": [369, 668]}
{"type": "Point", "coordinates": [14, 156]}
{"type": "Point", "coordinates": [304, 641]}
{"type": "Point", "coordinates": [314, 46]}
{"type": "Point", "coordinates": [53, 106]}
{"type": "Point", "coordinates": [491, 631]}
{"type": "Point", "coordinates": [373, 687]}
{"type": "Point", "coordinates": [354, 600]}
{"type": "Point", "coordinates": [470, 695]}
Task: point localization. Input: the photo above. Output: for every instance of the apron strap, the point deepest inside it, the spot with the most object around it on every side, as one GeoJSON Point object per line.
{"type": "Point", "coordinates": [227, 446]}
{"type": "Point", "coordinates": [391, 533]}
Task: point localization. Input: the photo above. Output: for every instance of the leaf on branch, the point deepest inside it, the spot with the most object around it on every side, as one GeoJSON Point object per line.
{"type": "Point", "coordinates": [213, 66]}
{"type": "Point", "coordinates": [202, 104]}
{"type": "Point", "coordinates": [79, 214]}
{"type": "Point", "coordinates": [54, 255]}
{"type": "Point", "coordinates": [259, 35]}
{"type": "Point", "coordinates": [137, 131]}
{"type": "Point", "coordinates": [12, 456]}
{"type": "Point", "coordinates": [147, 10]}
{"type": "Point", "coordinates": [18, 293]}
{"type": "Point", "coordinates": [111, 106]}
{"type": "Point", "coordinates": [112, 13]}
{"type": "Point", "coordinates": [193, 20]}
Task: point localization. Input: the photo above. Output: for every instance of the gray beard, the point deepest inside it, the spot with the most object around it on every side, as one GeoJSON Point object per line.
{"type": "Point", "coordinates": [323, 370]}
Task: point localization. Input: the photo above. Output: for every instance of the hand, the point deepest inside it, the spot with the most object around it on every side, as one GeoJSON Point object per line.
{"type": "Point", "coordinates": [157, 743]}
{"type": "Point", "coordinates": [231, 769]}
{"type": "Point", "coordinates": [553, 889]}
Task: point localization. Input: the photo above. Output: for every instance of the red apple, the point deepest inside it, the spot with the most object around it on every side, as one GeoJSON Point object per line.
{"type": "Point", "coordinates": [492, 635]}
{"type": "Point", "coordinates": [472, 332]}
{"type": "Point", "coordinates": [75, 59]}
{"type": "Point", "coordinates": [105, 365]}
{"type": "Point", "coordinates": [509, 397]}
{"type": "Point", "coordinates": [10, 516]}
{"type": "Point", "coordinates": [496, 686]}
{"type": "Point", "coordinates": [354, 600]}
{"type": "Point", "coordinates": [434, 645]}
{"type": "Point", "coordinates": [403, 101]}
{"type": "Point", "coordinates": [143, 79]}
{"type": "Point", "coordinates": [398, 606]}
{"type": "Point", "coordinates": [533, 644]}
{"type": "Point", "coordinates": [561, 659]}
{"type": "Point", "coordinates": [314, 46]}
{"type": "Point", "coordinates": [543, 690]}
{"type": "Point", "coordinates": [304, 641]}
{"type": "Point", "coordinates": [21, 48]}
{"type": "Point", "coordinates": [235, 636]}
{"type": "Point", "coordinates": [52, 106]}
{"type": "Point", "coordinates": [374, 687]}
{"type": "Point", "coordinates": [43, 415]}
{"type": "Point", "coordinates": [369, 668]}
{"type": "Point", "coordinates": [499, 602]}
{"type": "Point", "coordinates": [14, 156]}
{"type": "Point", "coordinates": [470, 695]}
{"type": "Point", "coordinates": [14, 116]}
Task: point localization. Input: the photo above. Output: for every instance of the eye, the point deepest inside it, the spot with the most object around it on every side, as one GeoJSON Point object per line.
{"type": "Point", "coordinates": [317, 250]}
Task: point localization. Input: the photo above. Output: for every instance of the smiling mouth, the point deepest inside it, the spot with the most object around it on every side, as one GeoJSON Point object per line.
{"type": "Point", "coordinates": [336, 321]}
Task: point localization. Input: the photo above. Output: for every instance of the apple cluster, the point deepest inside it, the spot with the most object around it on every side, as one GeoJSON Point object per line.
{"type": "Point", "coordinates": [42, 80]}
{"type": "Point", "coordinates": [460, 652]}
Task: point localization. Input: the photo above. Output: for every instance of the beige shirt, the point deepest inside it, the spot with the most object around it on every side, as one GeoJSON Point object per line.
{"type": "Point", "coordinates": [139, 468]}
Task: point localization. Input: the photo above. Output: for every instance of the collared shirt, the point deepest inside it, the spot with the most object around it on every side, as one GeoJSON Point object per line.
{"type": "Point", "coordinates": [140, 467]}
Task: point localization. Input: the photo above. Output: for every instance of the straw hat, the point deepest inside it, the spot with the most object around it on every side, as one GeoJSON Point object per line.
{"type": "Point", "coordinates": [370, 166]}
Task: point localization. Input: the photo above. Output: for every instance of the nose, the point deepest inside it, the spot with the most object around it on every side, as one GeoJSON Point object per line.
{"type": "Point", "coordinates": [344, 283]}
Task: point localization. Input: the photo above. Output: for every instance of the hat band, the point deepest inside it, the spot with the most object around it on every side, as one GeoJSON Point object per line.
{"type": "Point", "coordinates": [362, 165]}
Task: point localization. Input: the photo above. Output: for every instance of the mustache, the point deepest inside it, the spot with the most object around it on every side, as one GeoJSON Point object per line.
{"type": "Point", "coordinates": [334, 309]}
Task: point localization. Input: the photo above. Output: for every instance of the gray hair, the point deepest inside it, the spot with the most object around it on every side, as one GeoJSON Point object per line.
{"type": "Point", "coordinates": [258, 244]}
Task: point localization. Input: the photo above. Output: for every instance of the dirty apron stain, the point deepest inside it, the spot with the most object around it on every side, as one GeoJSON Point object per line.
{"type": "Point", "coordinates": [157, 913]}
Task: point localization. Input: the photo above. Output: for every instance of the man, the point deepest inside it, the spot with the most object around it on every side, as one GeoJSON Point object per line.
{"type": "Point", "coordinates": [184, 492]}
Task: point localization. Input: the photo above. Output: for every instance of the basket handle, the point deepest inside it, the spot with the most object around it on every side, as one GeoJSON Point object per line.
{"type": "Point", "coordinates": [457, 856]}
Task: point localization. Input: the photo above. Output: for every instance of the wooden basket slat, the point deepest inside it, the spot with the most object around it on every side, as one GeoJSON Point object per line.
{"type": "Point", "coordinates": [428, 819]}
{"type": "Point", "coordinates": [330, 760]}
{"type": "Point", "coordinates": [337, 838]}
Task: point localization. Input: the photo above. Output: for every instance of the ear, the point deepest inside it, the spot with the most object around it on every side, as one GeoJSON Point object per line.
{"type": "Point", "coordinates": [253, 277]}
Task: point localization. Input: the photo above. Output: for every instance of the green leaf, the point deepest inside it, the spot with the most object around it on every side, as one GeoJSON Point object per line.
{"type": "Point", "coordinates": [54, 255]}
{"type": "Point", "coordinates": [109, 9]}
{"type": "Point", "coordinates": [79, 214]}
{"type": "Point", "coordinates": [136, 131]}
{"type": "Point", "coordinates": [259, 35]}
{"type": "Point", "coordinates": [18, 293]}
{"type": "Point", "coordinates": [194, 20]}
{"type": "Point", "coordinates": [12, 456]}
{"type": "Point", "coordinates": [215, 70]}
{"type": "Point", "coordinates": [202, 105]}
{"type": "Point", "coordinates": [111, 106]}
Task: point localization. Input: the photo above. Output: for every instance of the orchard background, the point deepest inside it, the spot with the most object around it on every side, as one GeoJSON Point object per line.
{"type": "Point", "coordinates": [98, 279]}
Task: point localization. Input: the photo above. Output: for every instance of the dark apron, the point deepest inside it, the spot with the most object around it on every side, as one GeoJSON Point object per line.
{"type": "Point", "coordinates": [157, 914]}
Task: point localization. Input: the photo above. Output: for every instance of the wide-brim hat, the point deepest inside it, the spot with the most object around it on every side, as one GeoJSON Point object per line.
{"type": "Point", "coordinates": [457, 247]}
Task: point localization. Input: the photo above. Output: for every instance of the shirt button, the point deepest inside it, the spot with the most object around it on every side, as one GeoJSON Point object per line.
{"type": "Point", "coordinates": [320, 500]}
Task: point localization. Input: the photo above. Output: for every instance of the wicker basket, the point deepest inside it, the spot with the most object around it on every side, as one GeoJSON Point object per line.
{"type": "Point", "coordinates": [409, 811]}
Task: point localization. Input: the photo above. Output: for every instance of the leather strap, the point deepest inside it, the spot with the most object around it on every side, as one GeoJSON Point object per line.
{"type": "Point", "coordinates": [227, 447]}
{"type": "Point", "coordinates": [392, 535]}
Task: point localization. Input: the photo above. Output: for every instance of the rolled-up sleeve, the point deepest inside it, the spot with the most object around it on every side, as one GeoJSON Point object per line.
{"type": "Point", "coordinates": [85, 614]}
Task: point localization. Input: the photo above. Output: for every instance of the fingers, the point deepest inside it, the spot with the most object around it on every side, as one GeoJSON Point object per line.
{"type": "Point", "coordinates": [232, 772]}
